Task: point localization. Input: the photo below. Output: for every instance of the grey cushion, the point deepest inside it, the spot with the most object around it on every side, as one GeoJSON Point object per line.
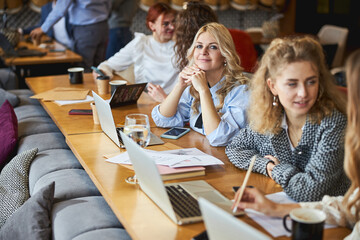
{"type": "Point", "coordinates": [5, 95]}
{"type": "Point", "coordinates": [14, 186]}
{"type": "Point", "coordinates": [104, 234]}
{"type": "Point", "coordinates": [43, 141]}
{"type": "Point", "coordinates": [50, 161]}
{"type": "Point", "coordinates": [70, 183]}
{"type": "Point", "coordinates": [86, 214]}
{"type": "Point", "coordinates": [28, 111]}
{"type": "Point", "coordinates": [24, 97]}
{"type": "Point", "coordinates": [32, 220]}
{"type": "Point", "coordinates": [36, 125]}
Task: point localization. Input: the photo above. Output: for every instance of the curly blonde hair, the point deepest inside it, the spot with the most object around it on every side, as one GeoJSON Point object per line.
{"type": "Point", "coordinates": [232, 71]}
{"type": "Point", "coordinates": [352, 139]}
{"type": "Point", "coordinates": [266, 118]}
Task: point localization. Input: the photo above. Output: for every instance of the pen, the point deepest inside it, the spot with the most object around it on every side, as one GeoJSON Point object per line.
{"type": "Point", "coordinates": [242, 189]}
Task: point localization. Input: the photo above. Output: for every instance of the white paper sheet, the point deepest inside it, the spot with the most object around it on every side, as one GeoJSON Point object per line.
{"type": "Point", "coordinates": [186, 157]}
{"type": "Point", "coordinates": [67, 102]}
{"type": "Point", "coordinates": [273, 225]}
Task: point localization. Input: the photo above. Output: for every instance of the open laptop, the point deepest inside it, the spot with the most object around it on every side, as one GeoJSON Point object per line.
{"type": "Point", "coordinates": [127, 94]}
{"type": "Point", "coordinates": [108, 125]}
{"type": "Point", "coordinates": [176, 200]}
{"type": "Point", "coordinates": [221, 225]}
{"type": "Point", "coordinates": [9, 50]}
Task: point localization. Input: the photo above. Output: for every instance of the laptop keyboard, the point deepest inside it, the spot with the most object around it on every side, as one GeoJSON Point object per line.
{"type": "Point", "coordinates": [183, 203]}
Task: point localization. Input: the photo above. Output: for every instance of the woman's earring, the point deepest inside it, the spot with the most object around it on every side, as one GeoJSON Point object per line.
{"type": "Point", "coordinates": [225, 63]}
{"type": "Point", "coordinates": [275, 101]}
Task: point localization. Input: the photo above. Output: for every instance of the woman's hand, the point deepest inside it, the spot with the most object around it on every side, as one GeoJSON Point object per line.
{"type": "Point", "coordinates": [254, 199]}
{"type": "Point", "coordinates": [271, 165]}
{"type": "Point", "coordinates": [185, 76]}
{"type": "Point", "coordinates": [156, 92]}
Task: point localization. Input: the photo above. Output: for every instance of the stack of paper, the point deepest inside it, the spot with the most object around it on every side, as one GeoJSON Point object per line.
{"type": "Point", "coordinates": [174, 164]}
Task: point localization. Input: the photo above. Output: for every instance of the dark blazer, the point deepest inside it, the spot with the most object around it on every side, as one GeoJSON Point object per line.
{"type": "Point", "coordinates": [313, 169]}
{"type": "Point", "coordinates": [45, 10]}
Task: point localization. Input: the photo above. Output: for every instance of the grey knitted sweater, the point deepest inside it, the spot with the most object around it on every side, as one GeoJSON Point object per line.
{"type": "Point", "coordinates": [312, 170]}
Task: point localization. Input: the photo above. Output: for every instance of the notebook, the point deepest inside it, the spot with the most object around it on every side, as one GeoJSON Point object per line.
{"type": "Point", "coordinates": [127, 94]}
{"type": "Point", "coordinates": [9, 50]}
{"type": "Point", "coordinates": [108, 125]}
{"type": "Point", "coordinates": [221, 225]}
{"type": "Point", "coordinates": [176, 200]}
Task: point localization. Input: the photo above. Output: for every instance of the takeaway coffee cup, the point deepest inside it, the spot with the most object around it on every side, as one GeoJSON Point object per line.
{"type": "Point", "coordinates": [76, 75]}
{"type": "Point", "coordinates": [103, 84]}
{"type": "Point", "coordinates": [94, 113]}
{"type": "Point", "coordinates": [307, 224]}
{"type": "Point", "coordinates": [116, 83]}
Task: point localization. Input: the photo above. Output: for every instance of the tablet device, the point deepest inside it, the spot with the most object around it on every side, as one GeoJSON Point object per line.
{"type": "Point", "coordinates": [126, 94]}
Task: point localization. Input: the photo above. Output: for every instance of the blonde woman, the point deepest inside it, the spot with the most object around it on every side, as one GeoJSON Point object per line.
{"type": "Point", "coordinates": [211, 92]}
{"type": "Point", "coordinates": [296, 122]}
{"type": "Point", "coordinates": [344, 211]}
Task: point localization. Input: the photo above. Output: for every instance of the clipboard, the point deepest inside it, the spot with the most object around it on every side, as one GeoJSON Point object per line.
{"type": "Point", "coordinates": [126, 94]}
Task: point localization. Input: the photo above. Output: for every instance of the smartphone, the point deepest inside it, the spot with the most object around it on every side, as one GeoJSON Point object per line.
{"type": "Point", "coordinates": [175, 132]}
{"type": "Point", "coordinates": [201, 236]}
{"type": "Point", "coordinates": [98, 71]}
{"type": "Point", "coordinates": [80, 112]}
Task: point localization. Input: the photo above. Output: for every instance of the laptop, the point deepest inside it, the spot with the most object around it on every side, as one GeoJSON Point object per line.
{"type": "Point", "coordinates": [176, 200]}
{"type": "Point", "coordinates": [221, 225]}
{"type": "Point", "coordinates": [9, 50]}
{"type": "Point", "coordinates": [108, 125]}
{"type": "Point", "coordinates": [127, 94]}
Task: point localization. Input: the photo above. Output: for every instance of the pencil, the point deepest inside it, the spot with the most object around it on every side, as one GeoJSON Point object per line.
{"type": "Point", "coordinates": [243, 186]}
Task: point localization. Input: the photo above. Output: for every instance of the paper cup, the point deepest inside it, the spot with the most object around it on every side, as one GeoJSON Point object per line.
{"type": "Point", "coordinates": [76, 75]}
{"type": "Point", "coordinates": [103, 86]}
{"type": "Point", "coordinates": [94, 113]}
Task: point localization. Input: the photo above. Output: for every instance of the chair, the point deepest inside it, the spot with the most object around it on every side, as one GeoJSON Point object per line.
{"type": "Point", "coordinates": [330, 34]}
{"type": "Point", "coordinates": [245, 49]}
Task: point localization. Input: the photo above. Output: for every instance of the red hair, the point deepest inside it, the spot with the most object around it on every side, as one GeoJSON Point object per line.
{"type": "Point", "coordinates": [157, 10]}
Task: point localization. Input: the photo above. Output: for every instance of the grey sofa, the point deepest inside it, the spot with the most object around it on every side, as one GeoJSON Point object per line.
{"type": "Point", "coordinates": [79, 210]}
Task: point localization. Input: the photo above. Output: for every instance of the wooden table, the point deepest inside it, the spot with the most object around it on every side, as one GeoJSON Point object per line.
{"type": "Point", "coordinates": [139, 215]}
{"type": "Point", "coordinates": [51, 63]}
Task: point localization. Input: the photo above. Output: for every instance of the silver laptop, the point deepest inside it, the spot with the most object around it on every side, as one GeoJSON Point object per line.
{"type": "Point", "coordinates": [221, 225]}
{"type": "Point", "coordinates": [108, 125]}
{"type": "Point", "coordinates": [177, 200]}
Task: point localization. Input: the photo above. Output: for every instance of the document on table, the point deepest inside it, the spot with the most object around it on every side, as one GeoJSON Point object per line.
{"type": "Point", "coordinates": [187, 157]}
{"type": "Point", "coordinates": [67, 102]}
{"type": "Point", "coordinates": [274, 225]}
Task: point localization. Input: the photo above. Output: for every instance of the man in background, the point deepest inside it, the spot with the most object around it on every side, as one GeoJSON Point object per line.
{"type": "Point", "coordinates": [89, 27]}
{"type": "Point", "coordinates": [122, 14]}
{"type": "Point", "coordinates": [61, 31]}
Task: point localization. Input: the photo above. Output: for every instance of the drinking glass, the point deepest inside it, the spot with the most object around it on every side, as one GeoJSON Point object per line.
{"type": "Point", "coordinates": [137, 127]}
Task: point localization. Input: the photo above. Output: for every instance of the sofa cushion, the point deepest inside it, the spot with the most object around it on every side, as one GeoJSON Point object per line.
{"type": "Point", "coordinates": [36, 125]}
{"type": "Point", "coordinates": [14, 186]}
{"type": "Point", "coordinates": [70, 183]}
{"type": "Point", "coordinates": [28, 111]}
{"type": "Point", "coordinates": [50, 161]}
{"type": "Point", "coordinates": [70, 218]}
{"type": "Point", "coordinates": [104, 234]}
{"type": "Point", "coordinates": [33, 219]}
{"type": "Point", "coordinates": [12, 98]}
{"type": "Point", "coordinates": [44, 141]}
{"type": "Point", "coordinates": [8, 132]}
{"type": "Point", "coordinates": [24, 97]}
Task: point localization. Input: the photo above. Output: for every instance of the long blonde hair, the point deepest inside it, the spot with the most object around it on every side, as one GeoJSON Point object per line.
{"type": "Point", "coordinates": [352, 139]}
{"type": "Point", "coordinates": [232, 71]}
{"type": "Point", "coordinates": [266, 118]}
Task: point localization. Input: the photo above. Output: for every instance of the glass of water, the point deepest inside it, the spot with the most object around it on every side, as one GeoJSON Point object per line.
{"type": "Point", "coordinates": [137, 127]}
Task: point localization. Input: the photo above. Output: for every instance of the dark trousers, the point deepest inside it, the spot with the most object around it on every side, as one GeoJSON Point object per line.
{"type": "Point", "coordinates": [90, 42]}
{"type": "Point", "coordinates": [118, 38]}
